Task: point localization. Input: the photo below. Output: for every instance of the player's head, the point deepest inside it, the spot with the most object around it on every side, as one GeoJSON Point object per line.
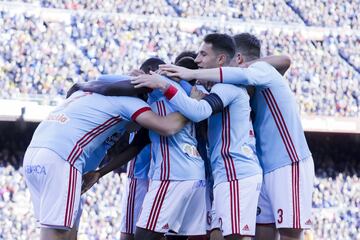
{"type": "Point", "coordinates": [216, 50]}
{"type": "Point", "coordinates": [187, 62]}
{"type": "Point", "coordinates": [247, 47]}
{"type": "Point", "coordinates": [151, 64]}
{"type": "Point", "coordinates": [191, 54]}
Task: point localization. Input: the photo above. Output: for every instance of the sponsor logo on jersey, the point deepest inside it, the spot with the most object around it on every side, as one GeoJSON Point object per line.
{"type": "Point", "coordinates": [60, 118]}
{"type": "Point", "coordinates": [35, 169]}
{"type": "Point", "coordinates": [246, 228]}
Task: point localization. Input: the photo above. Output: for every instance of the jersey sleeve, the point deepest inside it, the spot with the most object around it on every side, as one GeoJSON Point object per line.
{"type": "Point", "coordinates": [191, 108]}
{"type": "Point", "coordinates": [226, 92]}
{"type": "Point", "coordinates": [257, 74]}
{"type": "Point", "coordinates": [129, 107]}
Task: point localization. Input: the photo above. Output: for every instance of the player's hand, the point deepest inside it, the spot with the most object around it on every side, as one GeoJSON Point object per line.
{"type": "Point", "coordinates": [152, 80]}
{"type": "Point", "coordinates": [197, 94]}
{"type": "Point", "coordinates": [216, 235]}
{"type": "Point", "coordinates": [136, 72]}
{"type": "Point", "coordinates": [176, 71]}
{"type": "Point", "coordinates": [88, 180]}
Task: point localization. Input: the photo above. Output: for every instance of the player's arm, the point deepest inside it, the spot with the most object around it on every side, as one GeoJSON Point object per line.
{"type": "Point", "coordinates": [117, 88]}
{"type": "Point", "coordinates": [281, 63]}
{"type": "Point", "coordinates": [256, 74]}
{"type": "Point", "coordinates": [193, 109]}
{"type": "Point", "coordinates": [163, 125]}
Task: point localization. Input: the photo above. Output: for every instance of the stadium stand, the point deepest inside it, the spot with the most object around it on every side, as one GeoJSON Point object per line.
{"type": "Point", "coordinates": [50, 56]}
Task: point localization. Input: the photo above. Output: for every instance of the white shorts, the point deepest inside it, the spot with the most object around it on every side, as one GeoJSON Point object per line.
{"type": "Point", "coordinates": [286, 196]}
{"type": "Point", "coordinates": [235, 205]}
{"type": "Point", "coordinates": [175, 206]}
{"type": "Point", "coordinates": [54, 187]}
{"type": "Point", "coordinates": [132, 202]}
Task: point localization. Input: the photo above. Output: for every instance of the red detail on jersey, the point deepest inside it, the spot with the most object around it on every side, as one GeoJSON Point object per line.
{"type": "Point", "coordinates": [290, 148]}
{"type": "Point", "coordinates": [70, 197]}
{"type": "Point", "coordinates": [138, 112]}
{"type": "Point", "coordinates": [89, 136]}
{"type": "Point", "coordinates": [130, 207]}
{"type": "Point", "coordinates": [166, 226]}
{"type": "Point", "coordinates": [156, 207]}
{"type": "Point", "coordinates": [225, 146]}
{"type": "Point", "coordinates": [295, 195]}
{"type": "Point", "coordinates": [170, 92]}
{"type": "Point", "coordinates": [235, 206]}
{"type": "Point", "coordinates": [246, 228]}
{"type": "Point", "coordinates": [251, 133]}
{"type": "Point", "coordinates": [308, 222]}
{"type": "Point", "coordinates": [164, 146]}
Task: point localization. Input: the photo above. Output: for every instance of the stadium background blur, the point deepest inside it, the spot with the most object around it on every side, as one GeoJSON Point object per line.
{"type": "Point", "coordinates": [46, 46]}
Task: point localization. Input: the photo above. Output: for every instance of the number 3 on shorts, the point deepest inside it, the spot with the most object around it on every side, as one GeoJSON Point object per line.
{"type": "Point", "coordinates": [280, 215]}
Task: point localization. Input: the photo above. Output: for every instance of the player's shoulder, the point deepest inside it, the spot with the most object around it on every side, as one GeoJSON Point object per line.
{"type": "Point", "coordinates": [264, 67]}
{"type": "Point", "coordinates": [227, 88]}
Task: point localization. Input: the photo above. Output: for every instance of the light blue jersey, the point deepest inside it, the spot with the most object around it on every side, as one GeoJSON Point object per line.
{"type": "Point", "coordinates": [84, 124]}
{"type": "Point", "coordinates": [280, 138]}
{"type": "Point", "coordinates": [139, 166]}
{"type": "Point", "coordinates": [231, 140]}
{"type": "Point", "coordinates": [175, 157]}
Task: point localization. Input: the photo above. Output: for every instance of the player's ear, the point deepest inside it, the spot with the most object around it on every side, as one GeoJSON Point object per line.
{"type": "Point", "coordinates": [222, 59]}
{"type": "Point", "coordinates": [239, 58]}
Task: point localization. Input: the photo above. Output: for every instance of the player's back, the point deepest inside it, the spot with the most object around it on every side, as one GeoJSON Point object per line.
{"type": "Point", "coordinates": [82, 123]}
{"type": "Point", "coordinates": [231, 138]}
{"type": "Point", "coordinates": [175, 157]}
{"type": "Point", "coordinates": [277, 122]}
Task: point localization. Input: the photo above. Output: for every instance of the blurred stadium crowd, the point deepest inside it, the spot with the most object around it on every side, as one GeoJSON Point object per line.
{"type": "Point", "coordinates": [45, 56]}
{"type": "Point", "coordinates": [336, 198]}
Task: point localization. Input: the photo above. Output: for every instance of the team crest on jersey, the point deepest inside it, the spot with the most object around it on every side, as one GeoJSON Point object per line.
{"type": "Point", "coordinates": [247, 150]}
{"type": "Point", "coordinates": [60, 118]}
{"type": "Point", "coordinates": [190, 150]}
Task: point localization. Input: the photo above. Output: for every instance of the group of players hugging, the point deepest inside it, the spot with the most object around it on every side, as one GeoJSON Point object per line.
{"type": "Point", "coordinates": [215, 144]}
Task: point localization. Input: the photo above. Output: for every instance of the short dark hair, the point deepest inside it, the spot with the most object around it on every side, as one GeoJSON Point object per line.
{"type": "Point", "coordinates": [221, 42]}
{"type": "Point", "coordinates": [187, 62]}
{"type": "Point", "coordinates": [248, 45]}
{"type": "Point", "coordinates": [191, 54]}
{"type": "Point", "coordinates": [151, 64]}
